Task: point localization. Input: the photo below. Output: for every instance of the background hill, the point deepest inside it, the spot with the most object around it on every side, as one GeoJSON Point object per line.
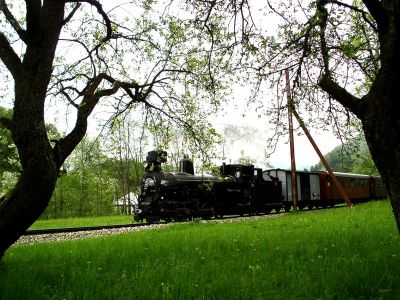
{"type": "Point", "coordinates": [351, 157]}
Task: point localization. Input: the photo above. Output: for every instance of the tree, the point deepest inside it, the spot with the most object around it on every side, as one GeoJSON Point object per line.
{"type": "Point", "coordinates": [77, 53]}
{"type": "Point", "coordinates": [351, 51]}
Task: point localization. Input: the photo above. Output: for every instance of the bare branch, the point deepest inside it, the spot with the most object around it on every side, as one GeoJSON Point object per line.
{"type": "Point", "coordinates": [322, 15]}
{"type": "Point", "coordinates": [72, 13]}
{"type": "Point", "coordinates": [341, 95]}
{"type": "Point", "coordinates": [91, 97]}
{"type": "Point", "coordinates": [8, 56]}
{"type": "Point", "coordinates": [11, 19]}
{"type": "Point", "coordinates": [101, 11]}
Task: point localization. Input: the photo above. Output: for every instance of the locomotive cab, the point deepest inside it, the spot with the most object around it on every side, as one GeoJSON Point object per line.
{"type": "Point", "coordinates": [241, 173]}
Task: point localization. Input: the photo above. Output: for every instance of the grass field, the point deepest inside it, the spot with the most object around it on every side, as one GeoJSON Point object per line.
{"type": "Point", "coordinates": [329, 254]}
{"type": "Point", "coordinates": [80, 222]}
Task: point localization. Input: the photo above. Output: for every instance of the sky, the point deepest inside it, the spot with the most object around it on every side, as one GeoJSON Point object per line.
{"type": "Point", "coordinates": [254, 144]}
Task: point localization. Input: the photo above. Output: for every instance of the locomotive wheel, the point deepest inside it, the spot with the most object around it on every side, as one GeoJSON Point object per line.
{"type": "Point", "coordinates": [277, 210]}
{"type": "Point", "coordinates": [310, 206]}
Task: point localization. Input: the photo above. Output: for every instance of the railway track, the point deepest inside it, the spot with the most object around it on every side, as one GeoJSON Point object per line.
{"type": "Point", "coordinates": [82, 229]}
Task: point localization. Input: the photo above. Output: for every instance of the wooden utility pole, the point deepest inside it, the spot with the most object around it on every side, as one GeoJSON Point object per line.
{"type": "Point", "coordinates": [323, 160]}
{"type": "Point", "coordinates": [291, 141]}
{"type": "Point", "coordinates": [291, 111]}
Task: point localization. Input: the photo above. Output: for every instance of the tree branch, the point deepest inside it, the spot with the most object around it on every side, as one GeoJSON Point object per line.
{"type": "Point", "coordinates": [356, 9]}
{"type": "Point", "coordinates": [341, 95]}
{"type": "Point", "coordinates": [71, 14]}
{"type": "Point", "coordinates": [8, 56]}
{"type": "Point", "coordinates": [11, 19]}
{"type": "Point", "coordinates": [322, 16]}
{"type": "Point", "coordinates": [377, 11]}
{"type": "Point", "coordinates": [101, 11]}
{"type": "Point", "coordinates": [91, 97]}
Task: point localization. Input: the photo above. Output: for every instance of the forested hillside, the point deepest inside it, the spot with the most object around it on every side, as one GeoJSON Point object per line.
{"type": "Point", "coordinates": [352, 157]}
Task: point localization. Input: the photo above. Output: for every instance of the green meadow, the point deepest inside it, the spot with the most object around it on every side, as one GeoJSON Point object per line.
{"type": "Point", "coordinates": [328, 254]}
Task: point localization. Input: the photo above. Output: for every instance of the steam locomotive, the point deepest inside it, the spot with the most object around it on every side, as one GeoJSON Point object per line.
{"type": "Point", "coordinates": [237, 190]}
{"type": "Point", "coordinates": [240, 190]}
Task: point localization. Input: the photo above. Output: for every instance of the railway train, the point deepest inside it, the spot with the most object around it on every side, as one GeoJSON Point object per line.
{"type": "Point", "coordinates": [240, 190]}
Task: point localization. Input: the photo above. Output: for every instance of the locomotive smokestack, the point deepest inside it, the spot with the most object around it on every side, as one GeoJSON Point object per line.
{"type": "Point", "coordinates": [154, 160]}
{"type": "Point", "coordinates": [186, 165]}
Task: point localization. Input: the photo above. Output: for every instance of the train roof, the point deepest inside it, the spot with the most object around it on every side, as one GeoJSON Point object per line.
{"type": "Point", "coordinates": [288, 170]}
{"type": "Point", "coordinates": [338, 174]}
{"type": "Point", "coordinates": [353, 175]}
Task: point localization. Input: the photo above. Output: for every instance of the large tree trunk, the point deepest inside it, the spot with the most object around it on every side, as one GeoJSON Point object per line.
{"type": "Point", "coordinates": [27, 201]}
{"type": "Point", "coordinates": [381, 118]}
{"type": "Point", "coordinates": [382, 132]}
{"type": "Point", "coordinates": [381, 125]}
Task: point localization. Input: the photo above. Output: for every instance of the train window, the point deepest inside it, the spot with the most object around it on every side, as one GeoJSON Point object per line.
{"type": "Point", "coordinates": [237, 174]}
{"type": "Point", "coordinates": [352, 183]}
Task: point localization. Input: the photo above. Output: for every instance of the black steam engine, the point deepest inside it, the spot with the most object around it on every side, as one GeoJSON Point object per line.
{"type": "Point", "coordinates": [237, 190]}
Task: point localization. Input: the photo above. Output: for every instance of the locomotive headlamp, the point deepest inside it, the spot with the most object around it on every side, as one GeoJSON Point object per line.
{"type": "Point", "coordinates": [149, 183]}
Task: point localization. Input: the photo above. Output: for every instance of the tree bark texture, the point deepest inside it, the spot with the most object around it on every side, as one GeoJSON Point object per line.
{"type": "Point", "coordinates": [381, 120]}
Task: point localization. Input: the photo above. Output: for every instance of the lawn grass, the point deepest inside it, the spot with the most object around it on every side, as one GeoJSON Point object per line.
{"type": "Point", "coordinates": [330, 254]}
{"type": "Point", "coordinates": [81, 222]}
